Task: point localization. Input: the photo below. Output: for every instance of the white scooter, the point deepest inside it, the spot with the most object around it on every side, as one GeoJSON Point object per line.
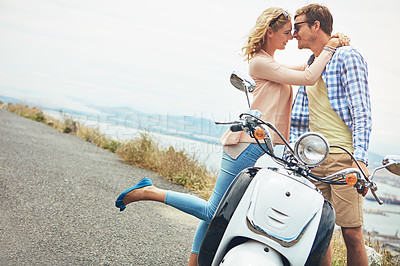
{"type": "Point", "coordinates": [277, 216]}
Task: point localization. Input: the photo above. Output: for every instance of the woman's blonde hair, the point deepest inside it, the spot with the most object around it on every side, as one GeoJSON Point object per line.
{"type": "Point", "coordinates": [256, 38]}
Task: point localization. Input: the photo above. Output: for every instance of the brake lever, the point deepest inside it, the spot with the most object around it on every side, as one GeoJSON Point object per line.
{"type": "Point", "coordinates": [374, 188]}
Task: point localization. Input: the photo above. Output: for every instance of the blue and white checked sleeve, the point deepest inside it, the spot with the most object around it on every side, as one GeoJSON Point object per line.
{"type": "Point", "coordinates": [354, 79]}
{"type": "Point", "coordinates": [299, 123]}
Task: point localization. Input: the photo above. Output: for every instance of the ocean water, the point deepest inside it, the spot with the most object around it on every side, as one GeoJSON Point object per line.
{"type": "Point", "coordinates": [383, 219]}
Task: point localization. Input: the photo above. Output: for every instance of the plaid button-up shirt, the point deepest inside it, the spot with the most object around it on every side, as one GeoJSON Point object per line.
{"type": "Point", "coordinates": [345, 77]}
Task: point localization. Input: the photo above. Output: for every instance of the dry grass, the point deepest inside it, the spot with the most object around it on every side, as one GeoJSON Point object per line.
{"type": "Point", "coordinates": [95, 136]}
{"type": "Point", "coordinates": [177, 166]}
{"type": "Point", "coordinates": [339, 255]}
{"type": "Point", "coordinates": [387, 258]}
{"type": "Point", "coordinates": [36, 114]}
{"type": "Point", "coordinates": [66, 125]}
{"type": "Point", "coordinates": [32, 113]}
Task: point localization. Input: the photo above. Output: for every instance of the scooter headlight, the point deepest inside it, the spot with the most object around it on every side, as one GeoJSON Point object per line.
{"type": "Point", "coordinates": [311, 149]}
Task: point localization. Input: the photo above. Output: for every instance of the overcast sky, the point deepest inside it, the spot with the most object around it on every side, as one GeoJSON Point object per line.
{"type": "Point", "coordinates": [174, 56]}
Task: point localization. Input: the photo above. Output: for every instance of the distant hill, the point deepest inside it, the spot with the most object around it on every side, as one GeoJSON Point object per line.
{"type": "Point", "coordinates": [189, 127]}
{"type": "Point", "coordinates": [11, 100]}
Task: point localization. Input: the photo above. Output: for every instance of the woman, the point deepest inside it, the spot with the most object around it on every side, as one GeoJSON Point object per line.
{"type": "Point", "coordinates": [272, 96]}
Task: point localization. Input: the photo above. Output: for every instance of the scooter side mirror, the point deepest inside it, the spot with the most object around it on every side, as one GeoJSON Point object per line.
{"type": "Point", "coordinates": [242, 82]}
{"type": "Point", "coordinates": [392, 164]}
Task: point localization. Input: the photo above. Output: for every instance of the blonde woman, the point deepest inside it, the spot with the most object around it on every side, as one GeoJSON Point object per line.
{"type": "Point", "coordinates": [272, 96]}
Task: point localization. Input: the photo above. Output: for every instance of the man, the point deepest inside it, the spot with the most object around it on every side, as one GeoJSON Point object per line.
{"type": "Point", "coordinates": [337, 106]}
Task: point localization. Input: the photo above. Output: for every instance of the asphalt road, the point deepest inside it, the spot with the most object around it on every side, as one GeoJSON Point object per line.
{"type": "Point", "coordinates": [57, 196]}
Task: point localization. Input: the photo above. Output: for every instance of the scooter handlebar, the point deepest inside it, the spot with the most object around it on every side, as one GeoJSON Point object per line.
{"type": "Point", "coordinates": [236, 128]}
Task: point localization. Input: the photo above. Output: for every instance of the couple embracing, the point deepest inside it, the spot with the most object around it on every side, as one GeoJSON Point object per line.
{"type": "Point", "coordinates": [333, 100]}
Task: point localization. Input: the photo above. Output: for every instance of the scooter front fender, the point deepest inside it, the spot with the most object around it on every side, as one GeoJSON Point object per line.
{"type": "Point", "coordinates": [252, 253]}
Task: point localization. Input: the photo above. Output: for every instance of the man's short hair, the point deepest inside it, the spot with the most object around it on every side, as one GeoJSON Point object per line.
{"type": "Point", "coordinates": [315, 12]}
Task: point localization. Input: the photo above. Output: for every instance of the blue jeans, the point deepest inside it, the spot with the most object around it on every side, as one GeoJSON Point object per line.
{"type": "Point", "coordinates": [205, 210]}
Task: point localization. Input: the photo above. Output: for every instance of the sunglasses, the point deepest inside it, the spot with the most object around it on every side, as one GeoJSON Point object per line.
{"type": "Point", "coordinates": [296, 27]}
{"type": "Point", "coordinates": [284, 13]}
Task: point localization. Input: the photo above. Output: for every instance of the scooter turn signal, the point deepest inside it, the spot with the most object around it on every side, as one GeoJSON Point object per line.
{"type": "Point", "coordinates": [259, 133]}
{"type": "Point", "coordinates": [351, 179]}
